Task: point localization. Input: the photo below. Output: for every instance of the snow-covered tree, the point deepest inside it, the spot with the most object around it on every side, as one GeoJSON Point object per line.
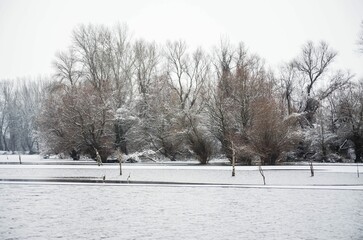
{"type": "Point", "coordinates": [350, 118]}
{"type": "Point", "coordinates": [241, 80]}
{"type": "Point", "coordinates": [78, 118]}
{"type": "Point", "coordinates": [93, 81]}
{"type": "Point", "coordinates": [30, 96]}
{"type": "Point", "coordinates": [6, 88]}
{"type": "Point", "coordinates": [183, 102]}
{"type": "Point", "coordinates": [19, 106]}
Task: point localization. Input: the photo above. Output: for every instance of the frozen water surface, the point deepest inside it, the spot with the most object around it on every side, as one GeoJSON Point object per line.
{"type": "Point", "coordinates": [293, 205]}
{"type": "Point", "coordinates": [142, 212]}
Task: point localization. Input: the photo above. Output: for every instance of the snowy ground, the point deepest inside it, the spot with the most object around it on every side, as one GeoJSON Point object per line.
{"type": "Point", "coordinates": [33, 167]}
{"type": "Point", "coordinates": [73, 202]}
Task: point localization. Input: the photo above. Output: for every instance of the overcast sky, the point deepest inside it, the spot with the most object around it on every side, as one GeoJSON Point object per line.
{"type": "Point", "coordinates": [32, 31]}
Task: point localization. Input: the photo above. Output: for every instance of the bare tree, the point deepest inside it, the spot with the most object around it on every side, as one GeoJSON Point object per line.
{"type": "Point", "coordinates": [75, 118]}
{"type": "Point", "coordinates": [221, 105]}
{"type": "Point", "coordinates": [102, 57]}
{"type": "Point", "coordinates": [241, 80]}
{"type": "Point", "coordinates": [19, 106]}
{"type": "Point", "coordinates": [270, 134]}
{"type": "Point", "coordinates": [163, 125]}
{"type": "Point", "coordinates": [177, 69]}
{"type": "Point", "coordinates": [314, 63]}
{"type": "Point", "coordinates": [66, 67]}
{"type": "Point", "coordinates": [116, 93]}
{"type": "Point", "coordinates": [121, 61]}
{"type": "Point", "coordinates": [30, 95]}
{"type": "Point", "coordinates": [6, 88]}
{"type": "Point", "coordinates": [146, 61]}
{"type": "Point", "coordinates": [186, 76]}
{"type": "Point", "coordinates": [288, 76]}
{"type": "Point", "coordinates": [224, 55]}
{"type": "Point", "coordinates": [92, 45]}
{"type": "Point", "coordinates": [350, 117]}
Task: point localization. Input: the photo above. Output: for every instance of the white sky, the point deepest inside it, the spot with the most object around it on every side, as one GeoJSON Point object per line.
{"type": "Point", "coordinates": [32, 31]}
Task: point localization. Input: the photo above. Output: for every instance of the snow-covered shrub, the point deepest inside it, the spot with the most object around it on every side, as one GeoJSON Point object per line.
{"type": "Point", "coordinates": [247, 156]}
{"type": "Point", "coordinates": [333, 158]}
{"type": "Point", "coordinates": [201, 144]}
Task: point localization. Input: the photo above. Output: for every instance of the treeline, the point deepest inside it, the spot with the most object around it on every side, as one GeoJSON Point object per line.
{"type": "Point", "coordinates": [20, 102]}
{"type": "Point", "coordinates": [110, 92]}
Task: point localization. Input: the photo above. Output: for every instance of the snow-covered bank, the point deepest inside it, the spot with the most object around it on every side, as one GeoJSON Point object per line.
{"type": "Point", "coordinates": [184, 172]}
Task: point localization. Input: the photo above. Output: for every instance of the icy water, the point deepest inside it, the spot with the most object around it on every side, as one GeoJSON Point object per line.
{"type": "Point", "coordinates": [62, 199]}
{"type": "Point", "coordinates": [74, 211]}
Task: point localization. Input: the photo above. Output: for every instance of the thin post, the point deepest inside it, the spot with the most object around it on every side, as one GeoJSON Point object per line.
{"type": "Point", "coordinates": [98, 158]}
{"type": "Point", "coordinates": [19, 159]}
{"type": "Point", "coordinates": [128, 178]}
{"type": "Point", "coordinates": [358, 170]}
{"type": "Point", "coordinates": [311, 169]}
{"type": "Point", "coordinates": [233, 161]}
{"type": "Point", "coordinates": [262, 174]}
{"type": "Point", "coordinates": [119, 158]}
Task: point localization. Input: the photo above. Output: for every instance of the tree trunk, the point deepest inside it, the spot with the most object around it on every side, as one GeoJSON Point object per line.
{"type": "Point", "coordinates": [233, 161]}
{"type": "Point", "coordinates": [311, 107]}
{"type": "Point", "coordinates": [289, 108]}
{"type": "Point", "coordinates": [311, 169]}
{"type": "Point", "coordinates": [1, 140]}
{"type": "Point", "coordinates": [271, 159]}
{"type": "Point", "coordinates": [262, 174]}
{"type": "Point", "coordinates": [121, 139]}
{"type": "Point", "coordinates": [6, 148]}
{"type": "Point", "coordinates": [358, 142]}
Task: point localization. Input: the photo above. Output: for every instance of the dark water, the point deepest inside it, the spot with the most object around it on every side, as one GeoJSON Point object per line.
{"type": "Point", "coordinates": [51, 211]}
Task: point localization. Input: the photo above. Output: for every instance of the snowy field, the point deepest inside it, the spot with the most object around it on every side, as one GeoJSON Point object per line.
{"type": "Point", "coordinates": [63, 199]}
{"type": "Point", "coordinates": [35, 168]}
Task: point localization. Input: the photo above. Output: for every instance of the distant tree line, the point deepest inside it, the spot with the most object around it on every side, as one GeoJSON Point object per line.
{"type": "Point", "coordinates": [110, 92]}
{"type": "Point", "coordinates": [20, 102]}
